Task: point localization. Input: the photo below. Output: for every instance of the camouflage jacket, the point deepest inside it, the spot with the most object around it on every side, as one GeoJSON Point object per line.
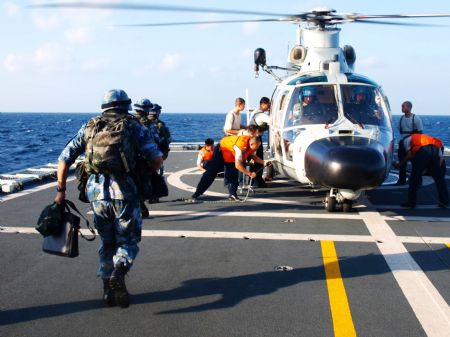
{"type": "Point", "coordinates": [150, 126]}
{"type": "Point", "coordinates": [108, 186]}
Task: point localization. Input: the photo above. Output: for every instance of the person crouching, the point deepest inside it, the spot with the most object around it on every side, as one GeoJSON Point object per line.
{"type": "Point", "coordinates": [231, 152]}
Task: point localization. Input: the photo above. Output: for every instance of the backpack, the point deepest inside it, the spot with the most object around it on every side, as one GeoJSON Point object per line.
{"type": "Point", "coordinates": [110, 145]}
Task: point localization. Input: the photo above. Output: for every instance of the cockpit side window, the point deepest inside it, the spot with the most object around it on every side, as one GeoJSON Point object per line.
{"type": "Point", "coordinates": [312, 104]}
{"type": "Point", "coordinates": [364, 105]}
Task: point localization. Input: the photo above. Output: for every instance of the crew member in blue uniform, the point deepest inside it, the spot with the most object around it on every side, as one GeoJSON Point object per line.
{"type": "Point", "coordinates": [113, 194]}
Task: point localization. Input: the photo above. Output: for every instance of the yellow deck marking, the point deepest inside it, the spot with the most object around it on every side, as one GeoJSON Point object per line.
{"type": "Point", "coordinates": [340, 310]}
{"type": "Point", "coordinates": [448, 245]}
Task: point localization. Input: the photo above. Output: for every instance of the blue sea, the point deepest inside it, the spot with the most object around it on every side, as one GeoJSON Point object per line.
{"type": "Point", "coordinates": [31, 139]}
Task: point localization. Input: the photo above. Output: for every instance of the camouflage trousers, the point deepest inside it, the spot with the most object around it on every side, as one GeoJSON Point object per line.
{"type": "Point", "coordinates": [119, 224]}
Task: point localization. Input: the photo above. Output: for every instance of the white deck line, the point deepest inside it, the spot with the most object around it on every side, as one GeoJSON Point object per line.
{"type": "Point", "coordinates": [388, 207]}
{"type": "Point", "coordinates": [250, 235]}
{"type": "Point", "coordinates": [31, 190]}
{"type": "Point", "coordinates": [436, 240]}
{"type": "Point", "coordinates": [415, 218]}
{"type": "Point", "coordinates": [342, 216]}
{"type": "Point", "coordinates": [259, 214]}
{"type": "Point", "coordinates": [427, 303]}
{"type": "Point", "coordinates": [175, 180]}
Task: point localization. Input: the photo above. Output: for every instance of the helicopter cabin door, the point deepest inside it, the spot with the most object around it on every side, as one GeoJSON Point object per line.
{"type": "Point", "coordinates": [280, 100]}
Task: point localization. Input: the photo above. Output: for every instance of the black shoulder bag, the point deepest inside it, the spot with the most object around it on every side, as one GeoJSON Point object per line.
{"type": "Point", "coordinates": [65, 243]}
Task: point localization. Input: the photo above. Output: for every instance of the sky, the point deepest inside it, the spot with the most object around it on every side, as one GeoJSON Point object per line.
{"type": "Point", "coordinates": [61, 60]}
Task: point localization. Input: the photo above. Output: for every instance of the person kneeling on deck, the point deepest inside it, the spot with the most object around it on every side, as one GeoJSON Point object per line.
{"type": "Point", "coordinates": [112, 143]}
{"type": "Point", "coordinates": [425, 153]}
{"type": "Point", "coordinates": [205, 155]}
{"type": "Point", "coordinates": [230, 152]}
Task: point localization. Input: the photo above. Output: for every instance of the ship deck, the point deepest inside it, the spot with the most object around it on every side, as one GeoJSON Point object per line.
{"type": "Point", "coordinates": [275, 265]}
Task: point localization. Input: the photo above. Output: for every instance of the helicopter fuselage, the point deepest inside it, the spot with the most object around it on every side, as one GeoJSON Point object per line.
{"type": "Point", "coordinates": [329, 126]}
{"type": "Point", "coordinates": [334, 140]}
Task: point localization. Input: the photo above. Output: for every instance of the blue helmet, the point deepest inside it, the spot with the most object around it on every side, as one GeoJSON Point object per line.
{"type": "Point", "coordinates": [360, 90]}
{"type": "Point", "coordinates": [116, 99]}
{"type": "Point", "coordinates": [309, 91]}
{"type": "Point", "coordinates": [156, 109]}
{"type": "Point", "coordinates": [143, 105]}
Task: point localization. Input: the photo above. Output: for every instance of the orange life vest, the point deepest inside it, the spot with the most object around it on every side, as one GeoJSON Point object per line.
{"type": "Point", "coordinates": [205, 153]}
{"type": "Point", "coordinates": [226, 146]}
{"type": "Point", "coordinates": [419, 140]}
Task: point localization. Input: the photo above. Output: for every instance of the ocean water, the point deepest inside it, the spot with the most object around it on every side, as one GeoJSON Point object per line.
{"type": "Point", "coordinates": [31, 139]}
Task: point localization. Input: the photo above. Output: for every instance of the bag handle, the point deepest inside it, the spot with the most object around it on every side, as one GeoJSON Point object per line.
{"type": "Point", "coordinates": [69, 204]}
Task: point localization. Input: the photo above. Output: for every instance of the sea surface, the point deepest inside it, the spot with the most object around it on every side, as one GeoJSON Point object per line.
{"type": "Point", "coordinates": [31, 139]}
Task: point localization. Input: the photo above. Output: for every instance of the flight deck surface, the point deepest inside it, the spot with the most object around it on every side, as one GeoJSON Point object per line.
{"type": "Point", "coordinates": [211, 268]}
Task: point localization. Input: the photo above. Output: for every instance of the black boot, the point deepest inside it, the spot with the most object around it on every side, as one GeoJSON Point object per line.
{"type": "Point", "coordinates": [144, 210]}
{"type": "Point", "coordinates": [108, 293]}
{"type": "Point", "coordinates": [117, 284]}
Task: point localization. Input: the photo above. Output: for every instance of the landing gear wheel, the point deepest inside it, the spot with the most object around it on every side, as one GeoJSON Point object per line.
{"type": "Point", "coordinates": [330, 203]}
{"type": "Point", "coordinates": [347, 206]}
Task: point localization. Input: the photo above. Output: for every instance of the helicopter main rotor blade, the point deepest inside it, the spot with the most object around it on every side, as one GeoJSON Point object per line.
{"type": "Point", "coordinates": [321, 17]}
{"type": "Point", "coordinates": [400, 16]}
{"type": "Point", "coordinates": [200, 22]}
{"type": "Point", "coordinates": [396, 23]}
{"type": "Point", "coordinates": [144, 7]}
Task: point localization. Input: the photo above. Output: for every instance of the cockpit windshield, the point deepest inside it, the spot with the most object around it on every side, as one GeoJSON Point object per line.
{"type": "Point", "coordinates": [312, 104]}
{"type": "Point", "coordinates": [364, 105]}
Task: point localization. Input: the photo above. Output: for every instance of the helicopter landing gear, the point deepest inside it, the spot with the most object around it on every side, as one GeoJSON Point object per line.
{"type": "Point", "coordinates": [347, 206]}
{"type": "Point", "coordinates": [341, 197]}
{"type": "Point", "coordinates": [330, 202]}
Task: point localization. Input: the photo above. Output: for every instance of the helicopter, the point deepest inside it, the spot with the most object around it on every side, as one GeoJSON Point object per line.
{"type": "Point", "coordinates": [330, 126]}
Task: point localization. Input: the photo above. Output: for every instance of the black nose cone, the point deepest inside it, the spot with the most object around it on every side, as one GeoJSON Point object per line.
{"type": "Point", "coordinates": [346, 162]}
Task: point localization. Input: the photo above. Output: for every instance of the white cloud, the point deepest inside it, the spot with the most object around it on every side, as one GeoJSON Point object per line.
{"type": "Point", "coordinates": [48, 57]}
{"type": "Point", "coordinates": [78, 26]}
{"type": "Point", "coordinates": [78, 35]}
{"type": "Point", "coordinates": [11, 8]}
{"type": "Point", "coordinates": [13, 63]}
{"type": "Point", "coordinates": [250, 28]}
{"type": "Point", "coordinates": [46, 22]}
{"type": "Point", "coordinates": [170, 62]}
{"type": "Point", "coordinates": [94, 65]}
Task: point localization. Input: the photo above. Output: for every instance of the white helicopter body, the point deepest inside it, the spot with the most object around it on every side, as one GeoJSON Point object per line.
{"type": "Point", "coordinates": [332, 146]}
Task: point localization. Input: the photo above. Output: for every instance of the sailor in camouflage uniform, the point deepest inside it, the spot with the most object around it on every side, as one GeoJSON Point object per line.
{"type": "Point", "coordinates": [163, 134]}
{"type": "Point", "coordinates": [163, 131]}
{"type": "Point", "coordinates": [112, 143]}
{"type": "Point", "coordinates": [142, 108]}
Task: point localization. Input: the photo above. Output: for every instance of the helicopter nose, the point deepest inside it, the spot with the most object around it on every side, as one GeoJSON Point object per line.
{"type": "Point", "coordinates": [345, 162]}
